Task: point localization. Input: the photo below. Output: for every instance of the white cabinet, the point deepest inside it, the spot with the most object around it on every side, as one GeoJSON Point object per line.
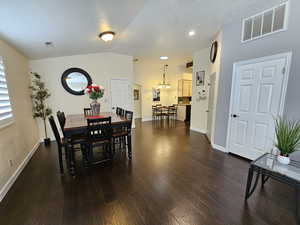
{"type": "Point", "coordinates": [181, 112]}
{"type": "Point", "coordinates": [184, 88]}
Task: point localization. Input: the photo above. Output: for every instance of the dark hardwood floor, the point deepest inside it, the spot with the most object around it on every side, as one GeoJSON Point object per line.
{"type": "Point", "coordinates": [174, 178]}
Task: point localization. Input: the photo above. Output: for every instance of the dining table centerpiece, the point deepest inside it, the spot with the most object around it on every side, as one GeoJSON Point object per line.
{"type": "Point", "coordinates": [95, 92]}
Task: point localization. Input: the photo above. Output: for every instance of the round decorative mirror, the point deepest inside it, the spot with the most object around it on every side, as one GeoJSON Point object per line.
{"type": "Point", "coordinates": [75, 80]}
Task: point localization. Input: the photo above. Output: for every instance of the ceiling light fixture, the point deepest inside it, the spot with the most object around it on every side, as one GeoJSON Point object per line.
{"type": "Point", "coordinates": [164, 84]}
{"type": "Point", "coordinates": [107, 36]}
{"type": "Point", "coordinates": [164, 57]}
{"type": "Point", "coordinates": [192, 33]}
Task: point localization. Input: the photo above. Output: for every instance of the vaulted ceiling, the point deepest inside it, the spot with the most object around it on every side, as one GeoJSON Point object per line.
{"type": "Point", "coordinates": [144, 28]}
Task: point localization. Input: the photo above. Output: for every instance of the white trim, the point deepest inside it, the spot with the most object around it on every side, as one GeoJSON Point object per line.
{"type": "Point", "coordinates": [6, 123]}
{"type": "Point", "coordinates": [287, 56]}
{"type": "Point", "coordinates": [285, 25]}
{"type": "Point", "coordinates": [219, 148]}
{"type": "Point", "coordinates": [17, 172]}
{"type": "Point", "coordinates": [198, 130]}
{"type": "Point", "coordinates": [146, 119]}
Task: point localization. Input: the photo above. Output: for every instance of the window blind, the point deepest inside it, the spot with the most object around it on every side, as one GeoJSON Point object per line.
{"type": "Point", "coordinates": [6, 115]}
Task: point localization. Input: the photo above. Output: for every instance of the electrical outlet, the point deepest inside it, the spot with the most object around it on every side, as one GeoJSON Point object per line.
{"type": "Point", "coordinates": [11, 163]}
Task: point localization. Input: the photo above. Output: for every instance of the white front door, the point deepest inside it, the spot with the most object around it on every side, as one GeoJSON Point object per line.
{"type": "Point", "coordinates": [257, 97]}
{"type": "Point", "coordinates": [121, 95]}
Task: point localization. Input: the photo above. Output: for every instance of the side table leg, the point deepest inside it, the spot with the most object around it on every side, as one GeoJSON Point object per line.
{"type": "Point", "coordinates": [250, 191]}
{"type": "Point", "coordinates": [249, 182]}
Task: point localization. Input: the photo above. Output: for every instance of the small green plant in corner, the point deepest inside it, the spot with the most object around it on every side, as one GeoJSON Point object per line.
{"type": "Point", "coordinates": [288, 137]}
{"type": "Point", "coordinates": [39, 96]}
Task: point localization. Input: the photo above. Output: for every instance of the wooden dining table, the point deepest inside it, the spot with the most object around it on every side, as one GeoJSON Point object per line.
{"type": "Point", "coordinates": [76, 124]}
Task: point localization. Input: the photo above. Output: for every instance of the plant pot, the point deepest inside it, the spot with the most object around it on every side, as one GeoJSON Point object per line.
{"type": "Point", "coordinates": [95, 107]}
{"type": "Point", "coordinates": [47, 141]}
{"type": "Point", "coordinates": [283, 159]}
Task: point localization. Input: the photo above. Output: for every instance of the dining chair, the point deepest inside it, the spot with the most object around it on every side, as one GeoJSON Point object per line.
{"type": "Point", "coordinates": [173, 112]}
{"type": "Point", "coordinates": [122, 112]}
{"type": "Point", "coordinates": [123, 133]}
{"type": "Point", "coordinates": [118, 111]}
{"type": "Point", "coordinates": [61, 119]}
{"type": "Point", "coordinates": [87, 112]}
{"type": "Point", "coordinates": [154, 112]}
{"type": "Point", "coordinates": [99, 134]}
{"type": "Point", "coordinates": [60, 143]}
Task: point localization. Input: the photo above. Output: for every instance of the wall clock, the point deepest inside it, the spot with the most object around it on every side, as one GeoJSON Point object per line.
{"type": "Point", "coordinates": [213, 51]}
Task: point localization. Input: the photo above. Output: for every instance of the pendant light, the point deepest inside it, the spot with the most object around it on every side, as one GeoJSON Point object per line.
{"type": "Point", "coordinates": [164, 84]}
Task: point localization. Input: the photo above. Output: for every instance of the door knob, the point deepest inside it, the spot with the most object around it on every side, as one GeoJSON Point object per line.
{"type": "Point", "coordinates": [234, 115]}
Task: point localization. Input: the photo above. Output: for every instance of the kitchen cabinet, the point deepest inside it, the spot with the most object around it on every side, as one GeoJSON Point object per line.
{"type": "Point", "coordinates": [184, 88]}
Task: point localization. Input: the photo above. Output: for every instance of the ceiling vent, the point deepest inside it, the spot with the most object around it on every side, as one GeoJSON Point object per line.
{"type": "Point", "coordinates": [265, 23]}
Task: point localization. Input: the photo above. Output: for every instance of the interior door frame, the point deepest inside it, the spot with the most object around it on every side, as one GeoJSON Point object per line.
{"type": "Point", "coordinates": [287, 56]}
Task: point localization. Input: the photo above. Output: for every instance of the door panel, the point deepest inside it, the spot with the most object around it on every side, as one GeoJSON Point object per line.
{"type": "Point", "coordinates": [120, 94]}
{"type": "Point", "coordinates": [256, 100]}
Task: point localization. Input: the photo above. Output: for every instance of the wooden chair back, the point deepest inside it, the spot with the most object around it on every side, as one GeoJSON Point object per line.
{"type": "Point", "coordinates": [55, 130]}
{"type": "Point", "coordinates": [61, 119]}
{"type": "Point", "coordinates": [87, 112]}
{"type": "Point", "coordinates": [99, 129]}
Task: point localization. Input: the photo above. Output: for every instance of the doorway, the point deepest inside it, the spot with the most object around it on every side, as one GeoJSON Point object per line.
{"type": "Point", "coordinates": [257, 96]}
{"type": "Point", "coordinates": [137, 98]}
{"type": "Point", "coordinates": [211, 106]}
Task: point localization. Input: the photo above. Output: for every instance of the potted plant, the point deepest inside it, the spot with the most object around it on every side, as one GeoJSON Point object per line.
{"type": "Point", "coordinates": [39, 95]}
{"type": "Point", "coordinates": [95, 92]}
{"type": "Point", "coordinates": [288, 138]}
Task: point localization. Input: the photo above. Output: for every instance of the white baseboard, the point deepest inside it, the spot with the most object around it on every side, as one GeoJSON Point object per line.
{"type": "Point", "coordinates": [219, 148]}
{"type": "Point", "coordinates": [18, 171]}
{"type": "Point", "coordinates": [198, 130]}
{"type": "Point", "coordinates": [146, 119]}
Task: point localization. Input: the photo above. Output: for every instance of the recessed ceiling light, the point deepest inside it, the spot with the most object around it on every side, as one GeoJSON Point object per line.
{"type": "Point", "coordinates": [107, 36]}
{"type": "Point", "coordinates": [192, 33]}
{"type": "Point", "coordinates": [164, 57]}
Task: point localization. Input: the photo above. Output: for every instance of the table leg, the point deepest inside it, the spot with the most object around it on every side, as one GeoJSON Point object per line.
{"type": "Point", "coordinates": [249, 190]}
{"type": "Point", "coordinates": [72, 160]}
{"type": "Point", "coordinates": [264, 179]}
{"type": "Point", "coordinates": [129, 146]}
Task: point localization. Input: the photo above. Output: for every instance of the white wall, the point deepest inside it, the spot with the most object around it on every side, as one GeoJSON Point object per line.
{"type": "Point", "coordinates": [200, 106]}
{"type": "Point", "coordinates": [18, 139]}
{"type": "Point", "coordinates": [102, 67]}
{"type": "Point", "coordinates": [148, 73]}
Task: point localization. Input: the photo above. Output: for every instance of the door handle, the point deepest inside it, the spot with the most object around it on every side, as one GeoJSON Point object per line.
{"type": "Point", "coordinates": [234, 115]}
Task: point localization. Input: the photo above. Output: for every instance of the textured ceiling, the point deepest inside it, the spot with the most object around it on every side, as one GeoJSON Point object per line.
{"type": "Point", "coordinates": [145, 28]}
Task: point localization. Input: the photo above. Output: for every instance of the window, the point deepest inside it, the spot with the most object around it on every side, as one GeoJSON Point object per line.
{"type": "Point", "coordinates": [268, 22]}
{"type": "Point", "coordinates": [6, 116]}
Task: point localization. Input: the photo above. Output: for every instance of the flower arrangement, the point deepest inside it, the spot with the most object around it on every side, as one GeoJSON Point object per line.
{"type": "Point", "coordinates": [94, 91]}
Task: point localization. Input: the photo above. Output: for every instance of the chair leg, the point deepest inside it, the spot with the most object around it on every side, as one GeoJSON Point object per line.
{"type": "Point", "coordinates": [61, 166]}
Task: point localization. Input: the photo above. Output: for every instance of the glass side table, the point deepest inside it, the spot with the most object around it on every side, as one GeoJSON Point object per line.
{"type": "Point", "coordinates": [268, 167]}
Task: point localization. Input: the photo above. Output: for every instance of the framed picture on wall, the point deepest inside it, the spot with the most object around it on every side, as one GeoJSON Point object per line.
{"type": "Point", "coordinates": [156, 94]}
{"type": "Point", "coordinates": [136, 94]}
{"type": "Point", "coordinates": [200, 78]}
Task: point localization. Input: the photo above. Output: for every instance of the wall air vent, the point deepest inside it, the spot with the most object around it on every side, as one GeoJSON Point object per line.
{"type": "Point", "coordinates": [265, 23]}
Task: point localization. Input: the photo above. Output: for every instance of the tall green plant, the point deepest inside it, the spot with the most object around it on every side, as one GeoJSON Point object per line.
{"type": "Point", "coordinates": [39, 95]}
{"type": "Point", "coordinates": [288, 135]}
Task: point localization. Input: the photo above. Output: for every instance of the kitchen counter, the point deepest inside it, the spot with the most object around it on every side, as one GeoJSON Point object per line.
{"type": "Point", "coordinates": [184, 112]}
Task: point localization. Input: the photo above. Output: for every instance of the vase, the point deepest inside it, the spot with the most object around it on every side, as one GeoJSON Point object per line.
{"type": "Point", "coordinates": [283, 159]}
{"type": "Point", "coordinates": [95, 107]}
